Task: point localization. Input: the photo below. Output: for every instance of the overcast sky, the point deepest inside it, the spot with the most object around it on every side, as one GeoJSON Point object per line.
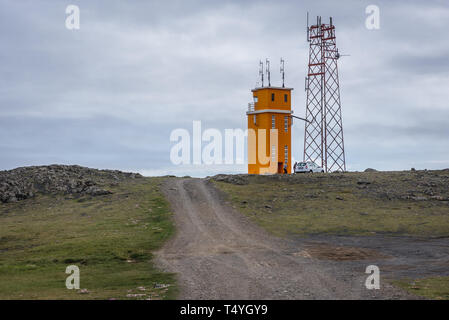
{"type": "Point", "coordinates": [109, 94]}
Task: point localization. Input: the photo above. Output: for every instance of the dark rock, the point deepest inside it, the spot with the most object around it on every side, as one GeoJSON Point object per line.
{"type": "Point", "coordinates": [96, 191]}
{"type": "Point", "coordinates": [418, 198]}
{"type": "Point", "coordinates": [310, 195]}
{"type": "Point", "coordinates": [384, 195]}
{"type": "Point", "coordinates": [439, 198]}
{"type": "Point", "coordinates": [233, 179]}
{"type": "Point", "coordinates": [370, 170]}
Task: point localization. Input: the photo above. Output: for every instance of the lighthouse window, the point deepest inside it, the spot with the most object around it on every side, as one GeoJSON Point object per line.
{"type": "Point", "coordinates": [286, 124]}
{"type": "Point", "coordinates": [255, 100]}
{"type": "Point", "coordinates": [255, 119]}
{"type": "Point", "coordinates": [273, 122]}
{"type": "Point", "coordinates": [286, 154]}
{"type": "Point", "coordinates": [285, 98]}
{"type": "Point", "coordinates": [272, 97]}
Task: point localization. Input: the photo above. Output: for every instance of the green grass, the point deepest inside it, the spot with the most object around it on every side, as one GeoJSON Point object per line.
{"type": "Point", "coordinates": [110, 238]}
{"type": "Point", "coordinates": [337, 205]}
{"type": "Point", "coordinates": [436, 288]}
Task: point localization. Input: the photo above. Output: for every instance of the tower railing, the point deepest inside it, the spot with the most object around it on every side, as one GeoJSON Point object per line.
{"type": "Point", "coordinates": [251, 106]}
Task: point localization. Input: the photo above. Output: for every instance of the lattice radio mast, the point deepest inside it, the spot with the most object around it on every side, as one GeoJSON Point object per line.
{"type": "Point", "coordinates": [323, 138]}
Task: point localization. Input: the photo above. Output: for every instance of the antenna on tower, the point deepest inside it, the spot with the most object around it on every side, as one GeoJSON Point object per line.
{"type": "Point", "coordinates": [282, 70]}
{"type": "Point", "coordinates": [261, 71]}
{"type": "Point", "coordinates": [338, 55]}
{"type": "Point", "coordinates": [267, 70]}
{"type": "Point", "coordinates": [308, 31]}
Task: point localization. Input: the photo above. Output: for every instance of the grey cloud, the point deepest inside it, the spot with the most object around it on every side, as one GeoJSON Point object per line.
{"type": "Point", "coordinates": [424, 65]}
{"type": "Point", "coordinates": [109, 94]}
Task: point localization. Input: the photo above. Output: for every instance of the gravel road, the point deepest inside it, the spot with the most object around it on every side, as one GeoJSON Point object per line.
{"type": "Point", "coordinates": [218, 254]}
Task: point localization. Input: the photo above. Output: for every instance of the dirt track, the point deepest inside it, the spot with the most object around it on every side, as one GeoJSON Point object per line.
{"type": "Point", "coordinates": [218, 254]}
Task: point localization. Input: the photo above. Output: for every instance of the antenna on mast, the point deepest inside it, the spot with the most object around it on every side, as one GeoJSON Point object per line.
{"type": "Point", "coordinates": [308, 31]}
{"type": "Point", "coordinates": [338, 55]}
{"type": "Point", "coordinates": [282, 70]}
{"type": "Point", "coordinates": [261, 71]}
{"type": "Point", "coordinates": [267, 70]}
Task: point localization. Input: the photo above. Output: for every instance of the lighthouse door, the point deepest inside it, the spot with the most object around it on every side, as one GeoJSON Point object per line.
{"type": "Point", "coordinates": [280, 167]}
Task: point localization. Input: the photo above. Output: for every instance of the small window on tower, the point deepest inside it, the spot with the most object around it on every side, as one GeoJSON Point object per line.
{"type": "Point", "coordinates": [286, 154]}
{"type": "Point", "coordinates": [255, 99]}
{"type": "Point", "coordinates": [272, 97]}
{"type": "Point", "coordinates": [285, 97]}
{"type": "Point", "coordinates": [255, 119]}
{"type": "Point", "coordinates": [286, 124]}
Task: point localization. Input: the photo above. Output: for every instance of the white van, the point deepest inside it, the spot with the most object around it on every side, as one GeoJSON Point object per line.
{"type": "Point", "coordinates": [309, 166]}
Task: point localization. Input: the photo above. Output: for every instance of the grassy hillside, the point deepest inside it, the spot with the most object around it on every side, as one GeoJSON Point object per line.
{"type": "Point", "coordinates": [109, 237]}
{"type": "Point", "coordinates": [395, 203]}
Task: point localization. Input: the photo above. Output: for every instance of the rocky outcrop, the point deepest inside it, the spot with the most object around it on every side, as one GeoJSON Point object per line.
{"type": "Point", "coordinates": [25, 182]}
{"type": "Point", "coordinates": [240, 179]}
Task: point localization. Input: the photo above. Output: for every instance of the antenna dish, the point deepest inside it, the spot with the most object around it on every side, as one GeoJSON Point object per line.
{"type": "Point", "coordinates": [338, 55]}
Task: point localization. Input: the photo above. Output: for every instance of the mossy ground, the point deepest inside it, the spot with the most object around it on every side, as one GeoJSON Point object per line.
{"type": "Point", "coordinates": [110, 238]}
{"type": "Point", "coordinates": [336, 204]}
{"type": "Point", "coordinates": [436, 288]}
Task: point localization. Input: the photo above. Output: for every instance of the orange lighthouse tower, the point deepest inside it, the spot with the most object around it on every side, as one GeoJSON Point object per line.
{"type": "Point", "coordinates": [269, 129]}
